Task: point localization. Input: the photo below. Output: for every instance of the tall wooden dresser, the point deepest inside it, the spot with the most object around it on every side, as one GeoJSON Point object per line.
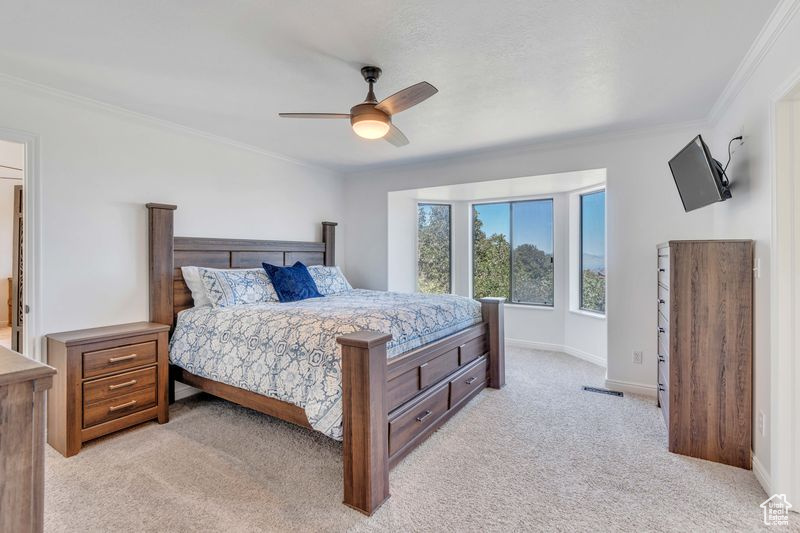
{"type": "Point", "coordinates": [705, 348]}
{"type": "Point", "coordinates": [23, 383]}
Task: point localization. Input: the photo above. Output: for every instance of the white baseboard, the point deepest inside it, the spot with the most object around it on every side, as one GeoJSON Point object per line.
{"type": "Point", "coordinates": [182, 390]}
{"type": "Point", "coordinates": [762, 475]}
{"type": "Point", "coordinates": [631, 387]}
{"type": "Point", "coordinates": [569, 350]}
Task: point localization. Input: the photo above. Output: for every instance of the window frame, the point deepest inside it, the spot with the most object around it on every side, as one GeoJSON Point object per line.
{"type": "Point", "coordinates": [581, 308]}
{"type": "Point", "coordinates": [421, 203]}
{"type": "Point", "coordinates": [511, 203]}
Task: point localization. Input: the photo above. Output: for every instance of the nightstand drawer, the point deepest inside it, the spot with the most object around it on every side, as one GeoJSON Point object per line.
{"type": "Point", "coordinates": [119, 385]}
{"type": "Point", "coordinates": [119, 358]}
{"type": "Point", "coordinates": [117, 407]}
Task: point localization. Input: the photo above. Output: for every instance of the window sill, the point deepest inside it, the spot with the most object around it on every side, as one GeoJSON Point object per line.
{"type": "Point", "coordinates": [530, 306]}
{"type": "Point", "coordinates": [590, 314]}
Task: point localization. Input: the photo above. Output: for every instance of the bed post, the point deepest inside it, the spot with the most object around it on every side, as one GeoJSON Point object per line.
{"type": "Point", "coordinates": [365, 420]}
{"type": "Point", "coordinates": [161, 248]}
{"type": "Point", "coordinates": [492, 311]}
{"type": "Point", "coordinates": [329, 238]}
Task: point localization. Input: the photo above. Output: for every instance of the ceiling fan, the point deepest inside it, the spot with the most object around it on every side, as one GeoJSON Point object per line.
{"type": "Point", "coordinates": [372, 119]}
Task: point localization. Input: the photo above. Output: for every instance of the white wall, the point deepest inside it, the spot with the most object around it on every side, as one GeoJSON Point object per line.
{"type": "Point", "coordinates": [99, 168]}
{"type": "Point", "coordinates": [747, 112]}
{"type": "Point", "coordinates": [12, 155]}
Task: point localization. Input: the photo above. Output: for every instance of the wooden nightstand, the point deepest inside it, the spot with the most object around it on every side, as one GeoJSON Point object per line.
{"type": "Point", "coordinates": [108, 379]}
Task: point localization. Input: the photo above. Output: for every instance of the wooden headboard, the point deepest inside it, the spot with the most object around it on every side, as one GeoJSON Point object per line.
{"type": "Point", "coordinates": [167, 254]}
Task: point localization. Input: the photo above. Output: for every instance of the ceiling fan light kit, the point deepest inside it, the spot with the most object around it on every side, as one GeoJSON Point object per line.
{"type": "Point", "coordinates": [368, 122]}
{"type": "Point", "coordinates": [372, 119]}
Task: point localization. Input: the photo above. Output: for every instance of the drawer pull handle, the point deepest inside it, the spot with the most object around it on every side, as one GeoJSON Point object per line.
{"type": "Point", "coordinates": [471, 380]}
{"type": "Point", "coordinates": [122, 358]}
{"type": "Point", "coordinates": [662, 270]}
{"type": "Point", "coordinates": [121, 385]}
{"type": "Point", "coordinates": [424, 416]}
{"type": "Point", "coordinates": [121, 406]}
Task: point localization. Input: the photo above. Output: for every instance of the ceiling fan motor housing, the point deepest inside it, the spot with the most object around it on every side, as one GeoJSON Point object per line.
{"type": "Point", "coordinates": [369, 122]}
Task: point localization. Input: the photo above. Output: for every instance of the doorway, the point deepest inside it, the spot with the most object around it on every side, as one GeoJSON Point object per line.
{"type": "Point", "coordinates": [785, 296]}
{"type": "Point", "coordinates": [12, 174]}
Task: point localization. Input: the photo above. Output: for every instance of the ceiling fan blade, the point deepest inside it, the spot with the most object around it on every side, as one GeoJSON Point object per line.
{"type": "Point", "coordinates": [314, 115]}
{"type": "Point", "coordinates": [395, 136]}
{"type": "Point", "coordinates": [408, 97]}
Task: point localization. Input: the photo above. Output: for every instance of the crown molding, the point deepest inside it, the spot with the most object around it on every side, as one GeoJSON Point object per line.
{"type": "Point", "coordinates": [13, 81]}
{"type": "Point", "coordinates": [772, 29]}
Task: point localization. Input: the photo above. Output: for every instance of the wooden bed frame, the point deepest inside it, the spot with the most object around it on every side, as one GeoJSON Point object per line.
{"type": "Point", "coordinates": [389, 406]}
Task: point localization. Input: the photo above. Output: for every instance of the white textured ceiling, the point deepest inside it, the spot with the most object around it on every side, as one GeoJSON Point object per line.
{"type": "Point", "coordinates": [508, 71]}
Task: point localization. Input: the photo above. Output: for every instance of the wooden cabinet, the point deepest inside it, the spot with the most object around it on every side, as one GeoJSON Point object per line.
{"type": "Point", "coordinates": [108, 379]}
{"type": "Point", "coordinates": [23, 383]}
{"type": "Point", "coordinates": [705, 348]}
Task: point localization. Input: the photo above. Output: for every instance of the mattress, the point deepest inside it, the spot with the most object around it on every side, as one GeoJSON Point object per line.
{"type": "Point", "coordinates": [288, 351]}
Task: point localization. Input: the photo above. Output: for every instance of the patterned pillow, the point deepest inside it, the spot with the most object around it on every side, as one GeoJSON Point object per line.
{"type": "Point", "coordinates": [329, 279]}
{"type": "Point", "coordinates": [237, 286]}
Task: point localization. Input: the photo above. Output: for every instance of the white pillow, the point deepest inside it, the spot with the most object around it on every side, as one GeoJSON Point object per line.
{"type": "Point", "coordinates": [191, 275]}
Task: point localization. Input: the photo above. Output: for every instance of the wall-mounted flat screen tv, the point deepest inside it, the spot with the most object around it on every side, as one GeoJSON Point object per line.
{"type": "Point", "coordinates": [699, 177]}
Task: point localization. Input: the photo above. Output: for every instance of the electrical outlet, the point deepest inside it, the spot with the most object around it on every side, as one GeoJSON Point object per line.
{"type": "Point", "coordinates": [761, 424]}
{"type": "Point", "coordinates": [638, 357]}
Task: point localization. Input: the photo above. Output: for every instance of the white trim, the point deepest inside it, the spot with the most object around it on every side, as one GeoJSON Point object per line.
{"type": "Point", "coordinates": [182, 390]}
{"type": "Point", "coordinates": [569, 350]}
{"type": "Point", "coordinates": [769, 33]}
{"type": "Point", "coordinates": [590, 314]}
{"type": "Point", "coordinates": [32, 250]}
{"type": "Point", "coordinates": [535, 307]}
{"type": "Point", "coordinates": [13, 81]}
{"type": "Point", "coordinates": [762, 475]}
{"type": "Point", "coordinates": [784, 426]}
{"type": "Point", "coordinates": [631, 387]}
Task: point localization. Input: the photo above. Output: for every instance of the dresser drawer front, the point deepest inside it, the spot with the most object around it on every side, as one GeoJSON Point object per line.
{"type": "Point", "coordinates": [471, 350]}
{"type": "Point", "coordinates": [466, 383]}
{"type": "Point", "coordinates": [402, 388]}
{"type": "Point", "coordinates": [119, 385]}
{"type": "Point", "coordinates": [112, 408]}
{"type": "Point", "coordinates": [663, 328]}
{"type": "Point", "coordinates": [120, 358]}
{"type": "Point", "coordinates": [436, 369]}
{"type": "Point", "coordinates": [663, 301]}
{"type": "Point", "coordinates": [663, 400]}
{"type": "Point", "coordinates": [417, 418]}
{"type": "Point", "coordinates": [663, 270]}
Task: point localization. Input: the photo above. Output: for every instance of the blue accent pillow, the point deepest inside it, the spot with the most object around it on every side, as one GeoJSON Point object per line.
{"type": "Point", "coordinates": [292, 283]}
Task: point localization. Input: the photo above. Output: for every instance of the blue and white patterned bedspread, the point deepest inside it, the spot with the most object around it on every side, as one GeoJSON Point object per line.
{"type": "Point", "coordinates": [288, 351]}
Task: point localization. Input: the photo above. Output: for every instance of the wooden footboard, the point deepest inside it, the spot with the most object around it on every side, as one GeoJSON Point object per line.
{"type": "Point", "coordinates": [389, 406]}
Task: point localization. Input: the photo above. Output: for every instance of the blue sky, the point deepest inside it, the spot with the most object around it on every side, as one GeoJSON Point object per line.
{"type": "Point", "coordinates": [534, 222]}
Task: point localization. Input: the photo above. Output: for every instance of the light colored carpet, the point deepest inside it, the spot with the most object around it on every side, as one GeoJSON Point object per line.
{"type": "Point", "coordinates": [540, 455]}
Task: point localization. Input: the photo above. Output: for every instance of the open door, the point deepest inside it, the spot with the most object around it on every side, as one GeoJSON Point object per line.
{"type": "Point", "coordinates": [17, 306]}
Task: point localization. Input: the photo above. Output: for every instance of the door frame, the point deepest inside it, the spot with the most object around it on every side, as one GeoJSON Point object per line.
{"type": "Point", "coordinates": [31, 244]}
{"type": "Point", "coordinates": [784, 127]}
